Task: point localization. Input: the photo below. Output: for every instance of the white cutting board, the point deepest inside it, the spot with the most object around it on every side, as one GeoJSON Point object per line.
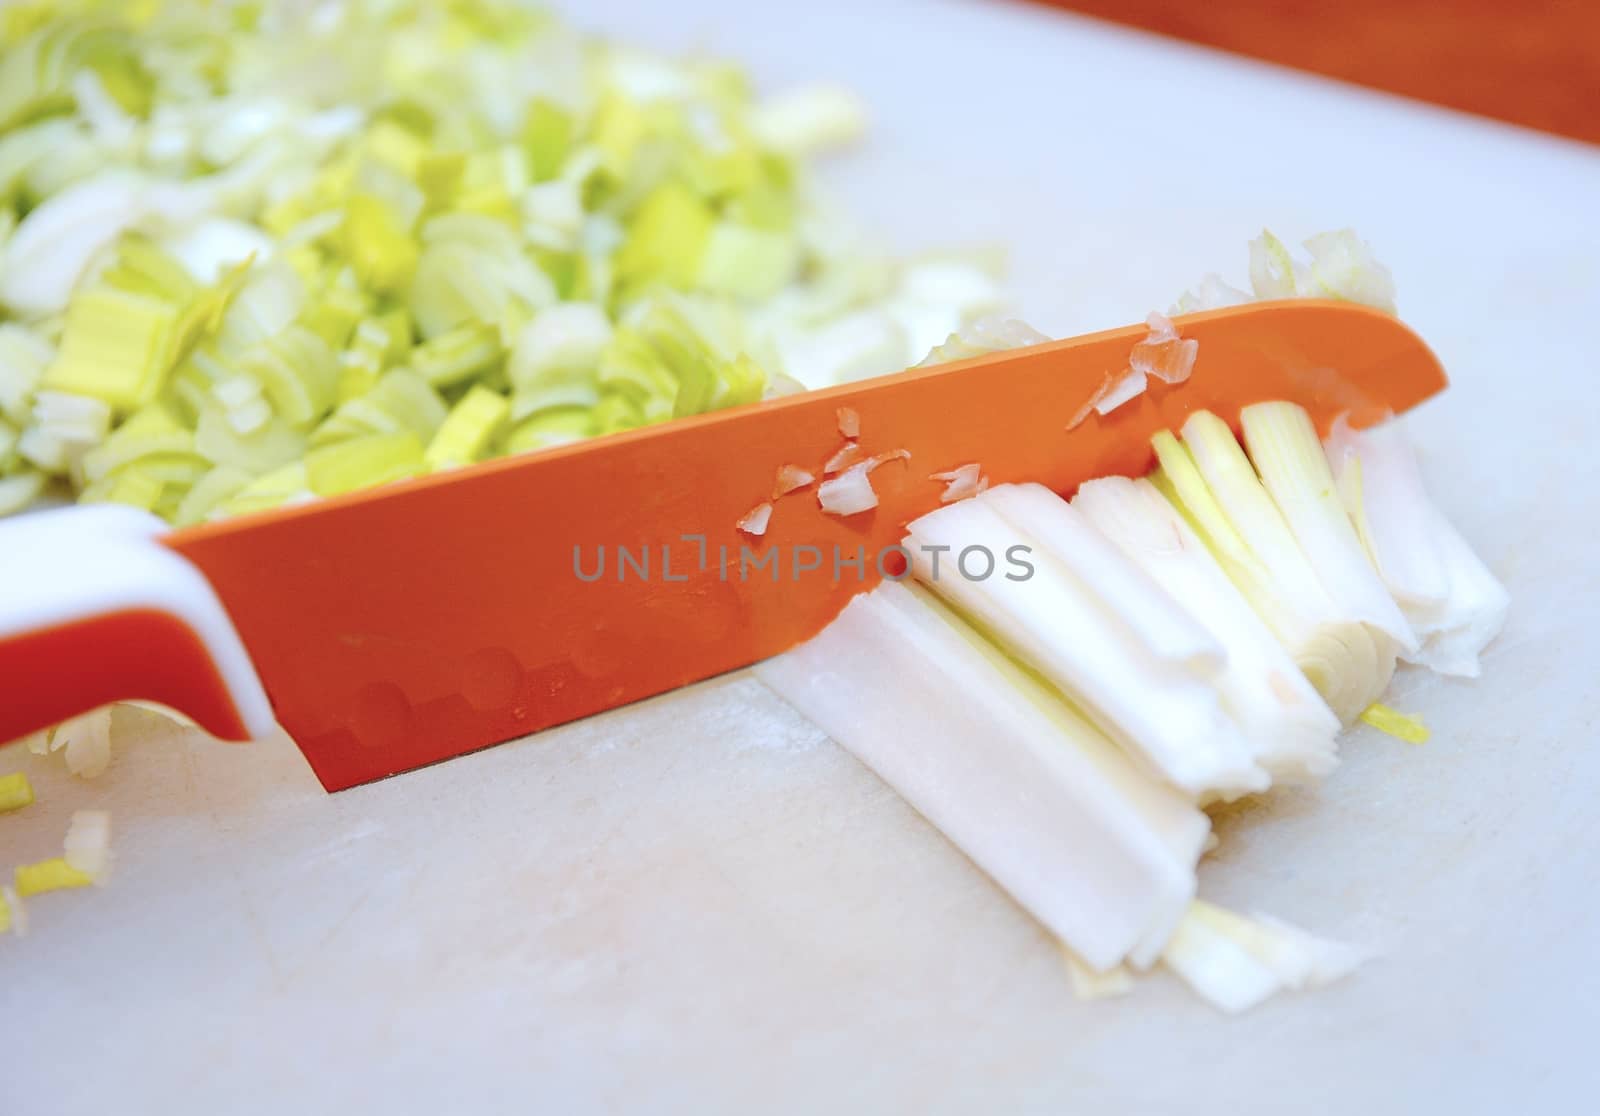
{"type": "Point", "coordinates": [701, 904]}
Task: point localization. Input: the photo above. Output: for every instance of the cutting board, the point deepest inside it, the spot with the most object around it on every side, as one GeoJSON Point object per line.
{"type": "Point", "coordinates": [701, 904]}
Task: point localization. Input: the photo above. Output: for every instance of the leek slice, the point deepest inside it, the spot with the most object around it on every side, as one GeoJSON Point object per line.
{"type": "Point", "coordinates": [19, 490]}
{"type": "Point", "coordinates": [53, 246]}
{"type": "Point", "coordinates": [24, 356]}
{"type": "Point", "coordinates": [284, 485]}
{"type": "Point", "coordinates": [562, 342]}
{"type": "Point", "coordinates": [1054, 621]}
{"type": "Point", "coordinates": [115, 346]}
{"type": "Point", "coordinates": [363, 463]}
{"type": "Point", "coordinates": [461, 354]}
{"type": "Point", "coordinates": [87, 845]}
{"type": "Point", "coordinates": [54, 874]}
{"type": "Point", "coordinates": [270, 445]}
{"type": "Point", "coordinates": [1001, 766]}
{"type": "Point", "coordinates": [556, 426]}
{"type": "Point", "coordinates": [400, 401]}
{"type": "Point", "coordinates": [469, 430]}
{"type": "Point", "coordinates": [15, 791]}
{"type": "Point", "coordinates": [208, 492]}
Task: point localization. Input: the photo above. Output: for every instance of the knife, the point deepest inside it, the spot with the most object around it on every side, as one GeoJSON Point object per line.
{"type": "Point", "coordinates": [399, 626]}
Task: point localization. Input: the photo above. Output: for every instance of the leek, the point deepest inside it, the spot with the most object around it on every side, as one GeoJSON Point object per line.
{"type": "Point", "coordinates": [484, 199]}
{"type": "Point", "coordinates": [87, 846]}
{"type": "Point", "coordinates": [1449, 597]}
{"type": "Point", "coordinates": [469, 430]}
{"type": "Point", "coordinates": [48, 875]}
{"type": "Point", "coordinates": [363, 463]}
{"type": "Point", "coordinates": [116, 347]}
{"type": "Point", "coordinates": [15, 792]}
{"type": "Point", "coordinates": [1291, 730]}
{"type": "Point", "coordinates": [24, 356]}
{"type": "Point", "coordinates": [1396, 724]}
{"type": "Point", "coordinates": [1123, 659]}
{"type": "Point", "coordinates": [1009, 772]}
{"type": "Point", "coordinates": [1289, 457]}
{"type": "Point", "coordinates": [1210, 480]}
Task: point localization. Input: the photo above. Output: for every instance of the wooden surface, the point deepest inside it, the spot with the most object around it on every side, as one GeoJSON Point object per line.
{"type": "Point", "coordinates": [1535, 63]}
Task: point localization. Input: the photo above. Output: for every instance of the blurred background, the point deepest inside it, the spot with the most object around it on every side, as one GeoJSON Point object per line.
{"type": "Point", "coordinates": [1535, 63]}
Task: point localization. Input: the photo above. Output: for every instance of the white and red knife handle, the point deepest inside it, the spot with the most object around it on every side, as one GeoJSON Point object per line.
{"type": "Point", "coordinates": [94, 609]}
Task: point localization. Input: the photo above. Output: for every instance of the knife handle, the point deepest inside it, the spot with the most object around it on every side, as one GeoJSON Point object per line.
{"type": "Point", "coordinates": [95, 609]}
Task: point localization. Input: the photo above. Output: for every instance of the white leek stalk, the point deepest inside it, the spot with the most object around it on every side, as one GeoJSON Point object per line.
{"type": "Point", "coordinates": [1211, 481]}
{"type": "Point", "coordinates": [1042, 802]}
{"type": "Point", "coordinates": [1288, 455]}
{"type": "Point", "coordinates": [1449, 597]}
{"type": "Point", "coordinates": [1291, 730]}
{"type": "Point", "coordinates": [1110, 638]}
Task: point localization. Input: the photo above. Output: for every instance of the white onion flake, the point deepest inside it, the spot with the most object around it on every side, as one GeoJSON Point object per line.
{"type": "Point", "coordinates": [754, 522]}
{"type": "Point", "coordinates": [849, 422]}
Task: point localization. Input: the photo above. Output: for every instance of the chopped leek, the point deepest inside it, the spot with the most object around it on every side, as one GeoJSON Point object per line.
{"type": "Point", "coordinates": [87, 847]}
{"type": "Point", "coordinates": [116, 347]}
{"type": "Point", "coordinates": [487, 200]}
{"type": "Point", "coordinates": [363, 463]}
{"type": "Point", "coordinates": [469, 430]}
{"type": "Point", "coordinates": [15, 791]}
{"type": "Point", "coordinates": [1401, 726]}
{"type": "Point", "coordinates": [48, 875]}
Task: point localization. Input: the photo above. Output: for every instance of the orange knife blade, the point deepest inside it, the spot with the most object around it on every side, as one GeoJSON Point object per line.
{"type": "Point", "coordinates": [404, 625]}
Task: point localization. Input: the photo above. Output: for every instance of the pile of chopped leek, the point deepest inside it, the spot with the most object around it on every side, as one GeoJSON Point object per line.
{"type": "Point", "coordinates": [254, 254]}
{"type": "Point", "coordinates": [1190, 637]}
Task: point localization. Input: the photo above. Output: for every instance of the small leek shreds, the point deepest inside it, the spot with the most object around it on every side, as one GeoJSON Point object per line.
{"type": "Point", "coordinates": [960, 483]}
{"type": "Point", "coordinates": [1401, 726]}
{"type": "Point", "coordinates": [13, 915]}
{"type": "Point", "coordinates": [471, 225]}
{"type": "Point", "coordinates": [15, 791]}
{"type": "Point", "coordinates": [754, 522]}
